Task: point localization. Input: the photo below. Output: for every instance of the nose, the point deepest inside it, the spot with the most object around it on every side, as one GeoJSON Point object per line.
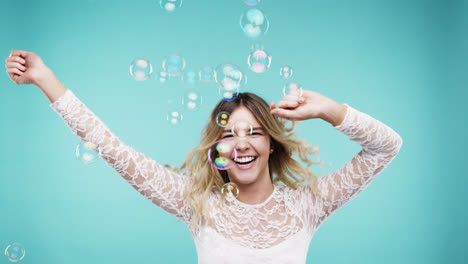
{"type": "Point", "coordinates": [242, 144]}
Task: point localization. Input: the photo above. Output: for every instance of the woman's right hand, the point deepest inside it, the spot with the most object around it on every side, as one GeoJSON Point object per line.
{"type": "Point", "coordinates": [25, 67]}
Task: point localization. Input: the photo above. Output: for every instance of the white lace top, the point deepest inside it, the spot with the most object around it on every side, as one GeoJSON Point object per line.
{"type": "Point", "coordinates": [279, 229]}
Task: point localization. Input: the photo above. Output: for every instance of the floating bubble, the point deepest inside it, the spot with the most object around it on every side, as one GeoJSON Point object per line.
{"type": "Point", "coordinates": [190, 78]}
{"type": "Point", "coordinates": [174, 117]}
{"type": "Point", "coordinates": [141, 69]}
{"type": "Point", "coordinates": [222, 118]}
{"type": "Point", "coordinates": [259, 61]}
{"type": "Point", "coordinates": [286, 72]}
{"type": "Point", "coordinates": [161, 76]}
{"type": "Point", "coordinates": [228, 95]}
{"type": "Point", "coordinates": [254, 23]}
{"type": "Point", "coordinates": [192, 100]}
{"type": "Point", "coordinates": [206, 74]}
{"type": "Point", "coordinates": [228, 76]}
{"type": "Point", "coordinates": [221, 155]}
{"type": "Point", "coordinates": [170, 5]}
{"type": "Point", "coordinates": [173, 64]}
{"type": "Point", "coordinates": [87, 152]}
{"type": "Point", "coordinates": [15, 252]}
{"type": "Point", "coordinates": [242, 129]}
{"type": "Point", "coordinates": [231, 188]}
{"type": "Point", "coordinates": [292, 88]}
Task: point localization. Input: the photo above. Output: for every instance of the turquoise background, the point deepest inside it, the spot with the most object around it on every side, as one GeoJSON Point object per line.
{"type": "Point", "coordinates": [402, 62]}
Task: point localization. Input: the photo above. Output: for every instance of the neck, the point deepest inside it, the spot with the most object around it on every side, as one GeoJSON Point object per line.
{"type": "Point", "coordinates": [255, 193]}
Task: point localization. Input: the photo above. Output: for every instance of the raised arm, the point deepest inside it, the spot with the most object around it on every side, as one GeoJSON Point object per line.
{"type": "Point", "coordinates": [380, 144]}
{"type": "Point", "coordinates": [156, 183]}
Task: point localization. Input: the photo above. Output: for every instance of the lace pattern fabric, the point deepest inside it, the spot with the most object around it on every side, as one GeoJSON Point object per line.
{"type": "Point", "coordinates": [278, 230]}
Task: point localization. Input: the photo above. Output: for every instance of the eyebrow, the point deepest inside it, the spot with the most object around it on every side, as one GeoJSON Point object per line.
{"type": "Point", "coordinates": [254, 129]}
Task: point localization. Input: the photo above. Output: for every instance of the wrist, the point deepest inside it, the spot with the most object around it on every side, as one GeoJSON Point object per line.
{"type": "Point", "coordinates": [335, 114]}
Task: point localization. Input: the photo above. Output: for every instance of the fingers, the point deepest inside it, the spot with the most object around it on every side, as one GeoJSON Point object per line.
{"type": "Point", "coordinates": [21, 53]}
{"type": "Point", "coordinates": [13, 58]}
{"type": "Point", "coordinates": [285, 113]}
{"type": "Point", "coordinates": [15, 65]}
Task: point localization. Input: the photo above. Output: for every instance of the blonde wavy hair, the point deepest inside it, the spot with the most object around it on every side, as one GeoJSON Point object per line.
{"type": "Point", "coordinates": [205, 178]}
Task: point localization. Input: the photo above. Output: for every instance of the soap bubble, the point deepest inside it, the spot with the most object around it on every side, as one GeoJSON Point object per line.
{"type": "Point", "coordinates": [173, 64]}
{"type": "Point", "coordinates": [231, 188]}
{"type": "Point", "coordinates": [222, 118]}
{"type": "Point", "coordinates": [87, 152]}
{"type": "Point", "coordinates": [141, 69]}
{"type": "Point", "coordinates": [259, 61]}
{"type": "Point", "coordinates": [228, 95]}
{"type": "Point", "coordinates": [252, 2]}
{"type": "Point", "coordinates": [254, 23]}
{"type": "Point", "coordinates": [221, 155]}
{"type": "Point", "coordinates": [190, 78]}
{"type": "Point", "coordinates": [286, 72]}
{"type": "Point", "coordinates": [15, 252]}
{"type": "Point", "coordinates": [206, 74]}
{"type": "Point", "coordinates": [242, 129]}
{"type": "Point", "coordinates": [228, 76]}
{"type": "Point", "coordinates": [170, 5]}
{"type": "Point", "coordinates": [192, 100]}
{"type": "Point", "coordinates": [174, 117]}
{"type": "Point", "coordinates": [292, 88]}
{"type": "Point", "coordinates": [161, 76]}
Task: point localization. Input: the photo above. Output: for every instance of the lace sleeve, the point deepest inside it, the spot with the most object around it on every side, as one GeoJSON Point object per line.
{"type": "Point", "coordinates": [380, 144]}
{"type": "Point", "coordinates": [156, 183]}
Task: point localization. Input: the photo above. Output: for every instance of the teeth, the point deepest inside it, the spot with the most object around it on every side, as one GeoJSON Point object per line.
{"type": "Point", "coordinates": [245, 159]}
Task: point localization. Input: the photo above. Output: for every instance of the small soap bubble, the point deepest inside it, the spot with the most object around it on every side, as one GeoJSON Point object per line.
{"type": "Point", "coordinates": [192, 100]}
{"type": "Point", "coordinates": [87, 152]}
{"type": "Point", "coordinates": [162, 76]}
{"type": "Point", "coordinates": [259, 61]}
{"type": "Point", "coordinates": [242, 129]}
{"type": "Point", "coordinates": [141, 69]}
{"type": "Point", "coordinates": [254, 23]}
{"type": "Point", "coordinates": [228, 95]}
{"type": "Point", "coordinates": [174, 117]}
{"type": "Point", "coordinates": [173, 64]}
{"type": "Point", "coordinates": [228, 76]}
{"type": "Point", "coordinates": [292, 88]}
{"type": "Point", "coordinates": [15, 252]}
{"type": "Point", "coordinates": [221, 155]}
{"type": "Point", "coordinates": [190, 78]}
{"type": "Point", "coordinates": [206, 74]}
{"type": "Point", "coordinates": [222, 118]}
{"type": "Point", "coordinates": [286, 72]}
{"type": "Point", "coordinates": [231, 188]}
{"type": "Point", "coordinates": [170, 5]}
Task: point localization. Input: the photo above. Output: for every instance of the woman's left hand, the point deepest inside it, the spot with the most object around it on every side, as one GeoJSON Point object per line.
{"type": "Point", "coordinates": [308, 106]}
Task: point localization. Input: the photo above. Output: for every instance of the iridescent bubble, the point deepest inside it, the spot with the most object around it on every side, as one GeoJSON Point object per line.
{"type": "Point", "coordinates": [242, 129]}
{"type": "Point", "coordinates": [87, 152]}
{"type": "Point", "coordinates": [259, 61]}
{"type": "Point", "coordinates": [254, 23]}
{"type": "Point", "coordinates": [170, 5]}
{"type": "Point", "coordinates": [231, 188]}
{"type": "Point", "coordinates": [228, 95]}
{"type": "Point", "coordinates": [174, 117]}
{"type": "Point", "coordinates": [173, 64]}
{"type": "Point", "coordinates": [228, 76]}
{"type": "Point", "coordinates": [190, 78]}
{"type": "Point", "coordinates": [15, 252]}
{"type": "Point", "coordinates": [292, 88]}
{"type": "Point", "coordinates": [161, 76]}
{"type": "Point", "coordinates": [252, 2]}
{"type": "Point", "coordinates": [221, 155]}
{"type": "Point", "coordinates": [286, 72]}
{"type": "Point", "coordinates": [206, 74]}
{"type": "Point", "coordinates": [192, 100]}
{"type": "Point", "coordinates": [222, 118]}
{"type": "Point", "coordinates": [141, 69]}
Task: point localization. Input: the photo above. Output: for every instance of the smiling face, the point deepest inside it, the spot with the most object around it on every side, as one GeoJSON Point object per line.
{"type": "Point", "coordinates": [252, 145]}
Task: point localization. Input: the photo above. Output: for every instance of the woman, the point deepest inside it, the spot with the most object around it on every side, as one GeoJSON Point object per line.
{"type": "Point", "coordinates": [265, 207]}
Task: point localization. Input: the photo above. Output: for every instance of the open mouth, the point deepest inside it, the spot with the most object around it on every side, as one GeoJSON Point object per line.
{"type": "Point", "coordinates": [245, 162]}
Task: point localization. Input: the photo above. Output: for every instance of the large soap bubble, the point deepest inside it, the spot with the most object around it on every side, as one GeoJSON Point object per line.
{"type": "Point", "coordinates": [254, 23]}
